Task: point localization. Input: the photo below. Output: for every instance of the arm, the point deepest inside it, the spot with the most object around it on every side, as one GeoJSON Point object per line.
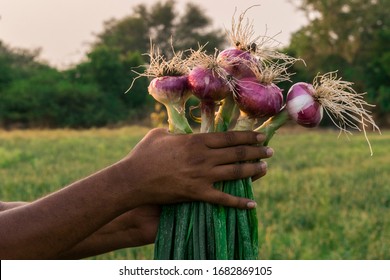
{"type": "Point", "coordinates": [162, 168]}
{"type": "Point", "coordinates": [53, 224]}
{"type": "Point", "coordinates": [134, 228]}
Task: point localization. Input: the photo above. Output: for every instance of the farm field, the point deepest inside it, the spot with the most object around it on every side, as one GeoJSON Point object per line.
{"type": "Point", "coordinates": [324, 196]}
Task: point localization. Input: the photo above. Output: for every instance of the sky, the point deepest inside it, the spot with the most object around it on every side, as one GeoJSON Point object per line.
{"type": "Point", "coordinates": [64, 29]}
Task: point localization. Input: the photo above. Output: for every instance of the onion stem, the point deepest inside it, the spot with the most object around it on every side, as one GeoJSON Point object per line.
{"type": "Point", "coordinates": [164, 243]}
{"type": "Point", "coordinates": [244, 122]}
{"type": "Point", "coordinates": [270, 126]}
{"type": "Point", "coordinates": [225, 114]}
{"type": "Point", "coordinates": [207, 111]}
{"type": "Point", "coordinates": [177, 120]}
{"type": "Point", "coordinates": [182, 227]}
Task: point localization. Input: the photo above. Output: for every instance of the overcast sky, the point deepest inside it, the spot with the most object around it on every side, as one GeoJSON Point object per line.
{"type": "Point", "coordinates": [63, 29]}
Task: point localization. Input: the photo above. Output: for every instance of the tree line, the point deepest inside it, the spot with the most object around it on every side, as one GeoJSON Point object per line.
{"type": "Point", "coordinates": [351, 36]}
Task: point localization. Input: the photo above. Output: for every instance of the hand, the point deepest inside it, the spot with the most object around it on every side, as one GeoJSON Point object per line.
{"type": "Point", "coordinates": [176, 168]}
{"type": "Point", "coordinates": [136, 227]}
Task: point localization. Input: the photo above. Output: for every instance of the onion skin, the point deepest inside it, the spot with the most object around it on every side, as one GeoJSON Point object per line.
{"type": "Point", "coordinates": [170, 89]}
{"type": "Point", "coordinates": [206, 85]}
{"type": "Point", "coordinates": [236, 62]}
{"type": "Point", "coordinates": [302, 106]}
{"type": "Point", "coordinates": [258, 100]}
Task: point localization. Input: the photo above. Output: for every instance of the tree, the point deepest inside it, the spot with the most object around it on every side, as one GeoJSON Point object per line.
{"type": "Point", "coordinates": [111, 73]}
{"type": "Point", "coordinates": [161, 24]}
{"type": "Point", "coordinates": [193, 28]}
{"type": "Point", "coordinates": [345, 27]}
{"type": "Point", "coordinates": [17, 63]}
{"type": "Point", "coordinates": [350, 36]}
{"type": "Point", "coordinates": [19, 101]}
{"type": "Point", "coordinates": [33, 94]}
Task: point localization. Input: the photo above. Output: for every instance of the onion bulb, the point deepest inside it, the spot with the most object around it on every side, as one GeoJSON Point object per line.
{"type": "Point", "coordinates": [207, 85]}
{"type": "Point", "coordinates": [257, 99]}
{"type": "Point", "coordinates": [237, 62]}
{"type": "Point", "coordinates": [302, 106]}
{"type": "Point", "coordinates": [170, 89]}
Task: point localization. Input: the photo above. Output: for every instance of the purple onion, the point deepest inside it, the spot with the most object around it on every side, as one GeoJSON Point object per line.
{"type": "Point", "coordinates": [258, 100]}
{"type": "Point", "coordinates": [302, 106]}
{"type": "Point", "coordinates": [236, 62]}
{"type": "Point", "coordinates": [207, 85]}
{"type": "Point", "coordinates": [170, 89]}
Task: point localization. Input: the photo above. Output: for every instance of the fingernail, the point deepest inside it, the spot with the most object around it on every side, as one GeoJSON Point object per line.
{"type": "Point", "coordinates": [269, 152]}
{"type": "Point", "coordinates": [251, 204]}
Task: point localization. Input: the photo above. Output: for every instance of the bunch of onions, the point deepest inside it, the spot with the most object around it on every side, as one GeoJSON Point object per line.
{"type": "Point", "coordinates": [241, 80]}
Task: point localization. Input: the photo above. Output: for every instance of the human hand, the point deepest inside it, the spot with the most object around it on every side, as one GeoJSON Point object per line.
{"type": "Point", "coordinates": [136, 227]}
{"type": "Point", "coordinates": [176, 168]}
{"type": "Point", "coordinates": [133, 228]}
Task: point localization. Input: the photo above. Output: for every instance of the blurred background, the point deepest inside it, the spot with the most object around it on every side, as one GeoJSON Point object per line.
{"type": "Point", "coordinates": [65, 67]}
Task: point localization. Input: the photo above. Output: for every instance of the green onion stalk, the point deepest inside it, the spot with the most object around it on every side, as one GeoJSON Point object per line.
{"type": "Point", "coordinates": [241, 225]}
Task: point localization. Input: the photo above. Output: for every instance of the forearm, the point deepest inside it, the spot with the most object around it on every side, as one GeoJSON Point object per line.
{"type": "Point", "coordinates": [52, 225]}
{"type": "Point", "coordinates": [105, 239]}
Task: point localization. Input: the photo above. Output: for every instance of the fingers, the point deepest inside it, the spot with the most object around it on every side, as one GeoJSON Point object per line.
{"type": "Point", "coordinates": [217, 197]}
{"type": "Point", "coordinates": [239, 154]}
{"type": "Point", "coordinates": [232, 138]}
{"type": "Point", "coordinates": [238, 171]}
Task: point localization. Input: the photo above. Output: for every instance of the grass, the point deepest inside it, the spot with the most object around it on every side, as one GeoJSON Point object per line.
{"type": "Point", "coordinates": [326, 198]}
{"type": "Point", "coordinates": [323, 197]}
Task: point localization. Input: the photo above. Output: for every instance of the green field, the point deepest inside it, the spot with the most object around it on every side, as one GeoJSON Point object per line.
{"type": "Point", "coordinates": [324, 197]}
